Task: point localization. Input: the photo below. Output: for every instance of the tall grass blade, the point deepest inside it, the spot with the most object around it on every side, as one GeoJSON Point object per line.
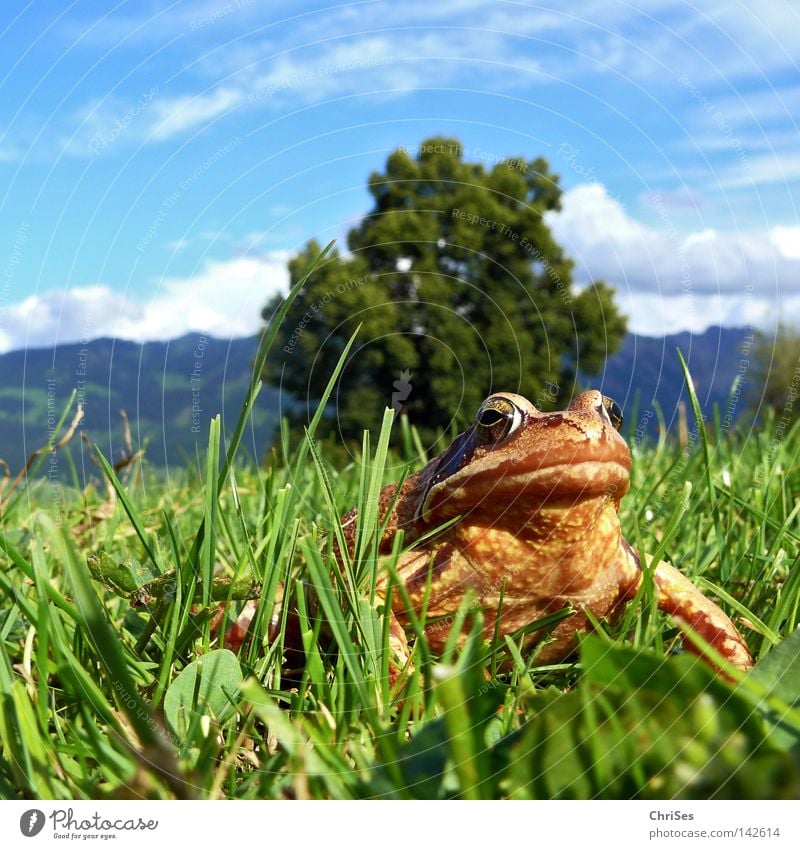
{"type": "Point", "coordinates": [129, 509]}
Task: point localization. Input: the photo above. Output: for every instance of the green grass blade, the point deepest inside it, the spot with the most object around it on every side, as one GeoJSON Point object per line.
{"type": "Point", "coordinates": [267, 340]}
{"type": "Point", "coordinates": [712, 494]}
{"type": "Point", "coordinates": [156, 749]}
{"type": "Point", "coordinates": [311, 429]}
{"type": "Point", "coordinates": [208, 550]}
{"type": "Point", "coordinates": [129, 509]}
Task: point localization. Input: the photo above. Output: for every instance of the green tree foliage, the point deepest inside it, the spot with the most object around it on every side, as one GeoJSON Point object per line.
{"type": "Point", "coordinates": [460, 290]}
{"type": "Point", "coordinates": [776, 373]}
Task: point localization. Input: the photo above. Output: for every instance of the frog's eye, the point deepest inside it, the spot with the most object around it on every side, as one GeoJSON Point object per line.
{"type": "Point", "coordinates": [614, 412]}
{"type": "Point", "coordinates": [496, 419]}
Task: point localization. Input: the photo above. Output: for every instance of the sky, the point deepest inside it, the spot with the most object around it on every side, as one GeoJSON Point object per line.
{"type": "Point", "coordinates": [160, 162]}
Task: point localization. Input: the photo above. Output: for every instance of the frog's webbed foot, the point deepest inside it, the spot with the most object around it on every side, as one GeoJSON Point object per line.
{"type": "Point", "coordinates": [679, 597]}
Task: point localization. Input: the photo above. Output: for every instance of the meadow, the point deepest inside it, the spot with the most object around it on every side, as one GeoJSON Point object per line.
{"type": "Point", "coordinates": [115, 683]}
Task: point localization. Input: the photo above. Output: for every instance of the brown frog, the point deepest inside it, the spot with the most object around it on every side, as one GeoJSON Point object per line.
{"type": "Point", "coordinates": [532, 499]}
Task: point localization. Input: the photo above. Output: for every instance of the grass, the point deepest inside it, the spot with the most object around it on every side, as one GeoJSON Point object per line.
{"type": "Point", "coordinates": [105, 698]}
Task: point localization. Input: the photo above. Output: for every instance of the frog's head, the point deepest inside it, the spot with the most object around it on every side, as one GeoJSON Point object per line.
{"type": "Point", "coordinates": [514, 455]}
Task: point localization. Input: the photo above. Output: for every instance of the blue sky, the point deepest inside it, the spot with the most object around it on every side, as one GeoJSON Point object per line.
{"type": "Point", "coordinates": [160, 161]}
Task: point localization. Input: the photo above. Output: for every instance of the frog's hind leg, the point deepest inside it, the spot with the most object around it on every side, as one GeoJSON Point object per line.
{"type": "Point", "coordinates": [681, 599]}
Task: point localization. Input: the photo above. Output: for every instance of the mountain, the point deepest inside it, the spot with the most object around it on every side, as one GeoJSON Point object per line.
{"type": "Point", "coordinates": [170, 390]}
{"type": "Point", "coordinates": [647, 370]}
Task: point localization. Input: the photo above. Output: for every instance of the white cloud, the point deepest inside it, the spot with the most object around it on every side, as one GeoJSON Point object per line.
{"type": "Point", "coordinates": [381, 66]}
{"type": "Point", "coordinates": [224, 299]}
{"type": "Point", "coordinates": [768, 168]}
{"type": "Point", "coordinates": [669, 281]}
{"type": "Point", "coordinates": [659, 314]}
{"type": "Point", "coordinates": [81, 313]}
{"type": "Point", "coordinates": [375, 66]}
{"type": "Point", "coordinates": [179, 114]}
{"type": "Point", "coordinates": [105, 125]}
{"type": "Point", "coordinates": [665, 282]}
{"type": "Point", "coordinates": [386, 49]}
{"type": "Point", "coordinates": [788, 241]}
{"type": "Point", "coordinates": [769, 31]}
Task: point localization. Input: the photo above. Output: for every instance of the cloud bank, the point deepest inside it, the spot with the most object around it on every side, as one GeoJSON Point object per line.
{"type": "Point", "coordinates": [666, 282]}
{"type": "Point", "coordinates": [669, 281]}
{"type": "Point", "coordinates": [224, 299]}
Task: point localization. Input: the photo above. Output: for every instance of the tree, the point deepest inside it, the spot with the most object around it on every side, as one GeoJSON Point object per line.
{"type": "Point", "coordinates": [460, 289]}
{"type": "Point", "coordinates": [776, 373]}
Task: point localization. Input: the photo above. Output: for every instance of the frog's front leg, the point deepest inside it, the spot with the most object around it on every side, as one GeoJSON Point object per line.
{"type": "Point", "coordinates": [679, 597]}
{"type": "Point", "coordinates": [399, 652]}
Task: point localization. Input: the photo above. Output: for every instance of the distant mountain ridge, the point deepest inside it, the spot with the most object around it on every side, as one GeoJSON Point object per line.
{"type": "Point", "coordinates": [170, 390]}
{"type": "Point", "coordinates": [649, 366]}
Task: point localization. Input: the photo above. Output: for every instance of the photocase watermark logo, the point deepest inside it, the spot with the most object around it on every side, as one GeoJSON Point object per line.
{"type": "Point", "coordinates": [65, 823]}
{"type": "Point", "coordinates": [31, 822]}
{"type": "Point", "coordinates": [402, 389]}
{"type": "Point", "coordinates": [103, 139]}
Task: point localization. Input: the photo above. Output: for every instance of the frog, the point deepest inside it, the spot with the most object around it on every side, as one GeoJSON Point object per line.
{"type": "Point", "coordinates": [520, 514]}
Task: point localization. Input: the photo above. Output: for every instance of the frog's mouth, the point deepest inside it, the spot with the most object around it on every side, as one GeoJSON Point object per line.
{"type": "Point", "coordinates": [454, 458]}
{"type": "Point", "coordinates": [566, 484]}
{"type": "Point", "coordinates": [471, 475]}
